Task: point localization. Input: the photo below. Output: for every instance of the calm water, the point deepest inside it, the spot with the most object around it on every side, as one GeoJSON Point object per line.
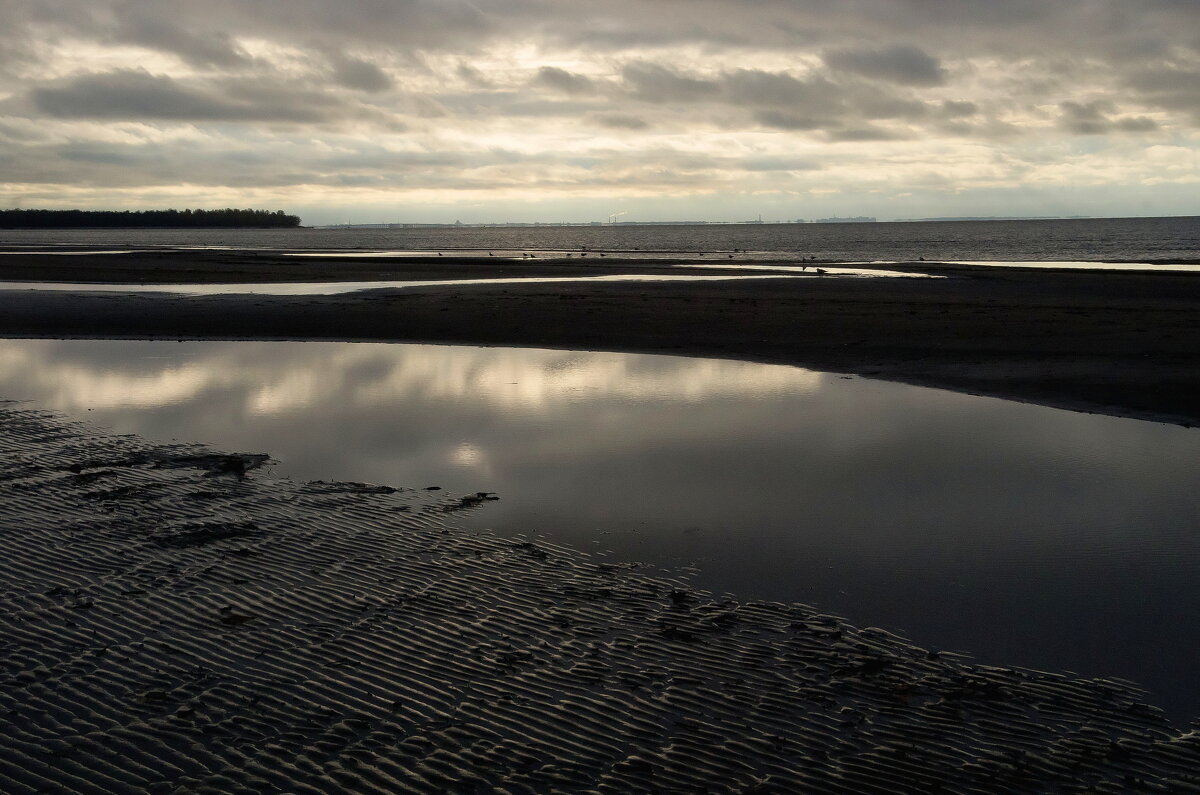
{"type": "Point", "coordinates": [1025, 535]}
{"type": "Point", "coordinates": [1130, 239]}
{"type": "Point", "coordinates": [337, 288]}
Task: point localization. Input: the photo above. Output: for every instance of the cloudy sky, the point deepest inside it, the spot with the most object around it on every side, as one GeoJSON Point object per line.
{"type": "Point", "coordinates": [521, 110]}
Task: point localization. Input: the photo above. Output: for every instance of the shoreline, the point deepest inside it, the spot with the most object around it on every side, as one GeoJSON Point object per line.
{"type": "Point", "coordinates": [173, 615]}
{"type": "Point", "coordinates": [1122, 343]}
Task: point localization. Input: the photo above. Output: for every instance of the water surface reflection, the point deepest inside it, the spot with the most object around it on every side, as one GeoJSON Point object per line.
{"type": "Point", "coordinates": [1026, 535]}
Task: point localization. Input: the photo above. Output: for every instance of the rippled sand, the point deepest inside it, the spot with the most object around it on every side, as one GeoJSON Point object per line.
{"type": "Point", "coordinates": [175, 619]}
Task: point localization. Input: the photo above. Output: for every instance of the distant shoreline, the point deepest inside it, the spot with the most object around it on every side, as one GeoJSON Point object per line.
{"type": "Point", "coordinates": [227, 218]}
{"type": "Point", "coordinates": [798, 222]}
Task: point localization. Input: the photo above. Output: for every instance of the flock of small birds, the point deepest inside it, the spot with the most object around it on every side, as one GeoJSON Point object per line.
{"type": "Point", "coordinates": [584, 251]}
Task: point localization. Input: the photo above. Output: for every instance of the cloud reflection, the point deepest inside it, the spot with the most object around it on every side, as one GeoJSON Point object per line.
{"type": "Point", "coordinates": [280, 378]}
{"type": "Point", "coordinates": [1028, 535]}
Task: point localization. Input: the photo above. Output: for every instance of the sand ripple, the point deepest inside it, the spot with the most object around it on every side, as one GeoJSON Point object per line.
{"type": "Point", "coordinates": [177, 620]}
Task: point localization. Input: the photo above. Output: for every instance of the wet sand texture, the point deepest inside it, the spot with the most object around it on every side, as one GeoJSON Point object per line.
{"type": "Point", "coordinates": [175, 619]}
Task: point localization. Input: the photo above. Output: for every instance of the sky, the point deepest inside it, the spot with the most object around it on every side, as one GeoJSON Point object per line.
{"type": "Point", "coordinates": [632, 110]}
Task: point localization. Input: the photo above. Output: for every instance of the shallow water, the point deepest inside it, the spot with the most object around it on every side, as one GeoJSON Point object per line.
{"type": "Point", "coordinates": [1127, 239]}
{"type": "Point", "coordinates": [341, 287]}
{"type": "Point", "coordinates": [1025, 535]}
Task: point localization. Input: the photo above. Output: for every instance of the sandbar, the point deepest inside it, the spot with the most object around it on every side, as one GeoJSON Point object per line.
{"type": "Point", "coordinates": [1120, 342]}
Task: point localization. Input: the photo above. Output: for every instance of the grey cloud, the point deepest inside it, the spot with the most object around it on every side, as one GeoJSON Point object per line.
{"type": "Point", "coordinates": [653, 82]}
{"type": "Point", "coordinates": [426, 107]}
{"type": "Point", "coordinates": [561, 80]}
{"type": "Point", "coordinates": [380, 159]}
{"type": "Point", "coordinates": [218, 162]}
{"type": "Point", "coordinates": [212, 48]}
{"type": "Point", "coordinates": [484, 105]}
{"type": "Point", "coordinates": [872, 104]}
{"type": "Point", "coordinates": [1086, 119]}
{"type": "Point", "coordinates": [103, 155]}
{"type": "Point", "coordinates": [419, 24]}
{"type": "Point", "coordinates": [472, 76]}
{"type": "Point", "coordinates": [1095, 118]}
{"type": "Point", "coordinates": [513, 104]}
{"type": "Point", "coordinates": [783, 120]}
{"type": "Point", "coordinates": [958, 109]}
{"type": "Point", "coordinates": [962, 27]}
{"type": "Point", "coordinates": [620, 121]}
{"type": "Point", "coordinates": [1136, 124]}
{"type": "Point", "coordinates": [757, 87]}
{"type": "Point", "coordinates": [863, 134]}
{"type": "Point", "coordinates": [19, 130]}
{"type": "Point", "coordinates": [92, 164]}
{"type": "Point", "coordinates": [903, 64]}
{"type": "Point", "coordinates": [1143, 56]}
{"type": "Point", "coordinates": [777, 164]}
{"type": "Point", "coordinates": [818, 97]}
{"type": "Point", "coordinates": [784, 102]}
{"type": "Point", "coordinates": [360, 75]}
{"type": "Point", "coordinates": [1171, 88]}
{"type": "Point", "coordinates": [138, 95]}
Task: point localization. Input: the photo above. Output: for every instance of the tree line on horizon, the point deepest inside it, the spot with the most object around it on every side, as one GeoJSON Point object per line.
{"type": "Point", "coordinates": [115, 219]}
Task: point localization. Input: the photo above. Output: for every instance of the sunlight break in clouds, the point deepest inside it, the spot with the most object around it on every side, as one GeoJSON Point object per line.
{"type": "Point", "coordinates": [431, 110]}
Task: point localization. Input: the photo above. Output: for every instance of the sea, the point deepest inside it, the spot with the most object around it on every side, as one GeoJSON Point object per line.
{"type": "Point", "coordinates": [1133, 240]}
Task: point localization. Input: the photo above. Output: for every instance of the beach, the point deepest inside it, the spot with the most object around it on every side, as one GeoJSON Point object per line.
{"type": "Point", "coordinates": [1125, 343]}
{"type": "Point", "coordinates": [177, 618]}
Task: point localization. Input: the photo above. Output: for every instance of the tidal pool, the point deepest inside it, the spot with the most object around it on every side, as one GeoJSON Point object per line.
{"type": "Point", "coordinates": [1024, 535]}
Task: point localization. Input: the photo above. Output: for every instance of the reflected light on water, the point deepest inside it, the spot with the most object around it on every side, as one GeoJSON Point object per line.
{"type": "Point", "coordinates": [1027, 535]}
{"type": "Point", "coordinates": [281, 378]}
{"type": "Point", "coordinates": [73, 386]}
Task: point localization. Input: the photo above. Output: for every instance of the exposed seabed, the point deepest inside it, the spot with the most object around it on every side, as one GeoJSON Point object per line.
{"type": "Point", "coordinates": [174, 618]}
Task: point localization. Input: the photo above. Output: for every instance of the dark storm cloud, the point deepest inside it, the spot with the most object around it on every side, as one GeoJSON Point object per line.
{"type": "Point", "coordinates": [903, 64]}
{"type": "Point", "coordinates": [138, 95]}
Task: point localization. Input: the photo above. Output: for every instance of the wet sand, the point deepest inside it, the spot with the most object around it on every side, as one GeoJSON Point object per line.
{"type": "Point", "coordinates": [1117, 342]}
{"type": "Point", "coordinates": [174, 619]}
